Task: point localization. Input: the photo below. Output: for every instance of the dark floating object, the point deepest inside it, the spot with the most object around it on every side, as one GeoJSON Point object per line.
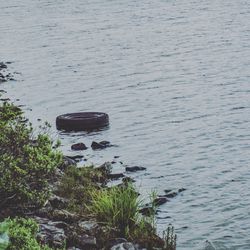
{"type": "Point", "coordinates": [134, 169]}
{"type": "Point", "coordinates": [79, 146]}
{"type": "Point", "coordinates": [82, 121]}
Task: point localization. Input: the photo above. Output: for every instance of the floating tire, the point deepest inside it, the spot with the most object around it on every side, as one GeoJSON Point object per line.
{"type": "Point", "coordinates": [83, 121]}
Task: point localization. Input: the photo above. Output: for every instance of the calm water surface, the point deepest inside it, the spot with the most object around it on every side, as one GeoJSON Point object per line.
{"type": "Point", "coordinates": [174, 76]}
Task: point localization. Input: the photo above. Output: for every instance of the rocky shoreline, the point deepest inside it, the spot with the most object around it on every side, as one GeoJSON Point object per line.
{"type": "Point", "coordinates": [66, 201]}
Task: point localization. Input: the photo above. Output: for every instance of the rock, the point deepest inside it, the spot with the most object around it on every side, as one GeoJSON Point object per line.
{"type": "Point", "coordinates": [76, 158]}
{"type": "Point", "coordinates": [115, 241]}
{"type": "Point", "coordinates": [105, 168]}
{"type": "Point", "coordinates": [50, 233]}
{"type": "Point", "coordinates": [167, 191]}
{"type": "Point", "coordinates": [63, 215]}
{"type": "Point", "coordinates": [105, 143]}
{"type": "Point", "coordinates": [181, 190]}
{"type": "Point", "coordinates": [171, 195]}
{"type": "Point", "coordinates": [96, 145]}
{"type": "Point", "coordinates": [125, 246]}
{"type": "Point", "coordinates": [67, 161]}
{"type": "Point", "coordinates": [134, 169]}
{"type": "Point", "coordinates": [58, 202]}
{"type": "Point", "coordinates": [160, 201]}
{"type": "Point", "coordinates": [116, 176]}
{"type": "Point", "coordinates": [85, 241]}
{"type": "Point", "coordinates": [79, 146]}
{"type": "Point", "coordinates": [147, 210]}
{"type": "Point", "coordinates": [127, 179]}
{"type": "Point", "coordinates": [3, 65]}
{"type": "Point", "coordinates": [100, 145]}
{"type": "Point", "coordinates": [89, 227]}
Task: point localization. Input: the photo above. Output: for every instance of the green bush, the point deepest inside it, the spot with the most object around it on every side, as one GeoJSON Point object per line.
{"type": "Point", "coordinates": [26, 163]}
{"type": "Point", "coordinates": [116, 206]}
{"type": "Point", "coordinates": [21, 235]}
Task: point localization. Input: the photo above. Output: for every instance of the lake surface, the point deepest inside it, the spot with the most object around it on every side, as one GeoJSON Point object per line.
{"type": "Point", "coordinates": [174, 77]}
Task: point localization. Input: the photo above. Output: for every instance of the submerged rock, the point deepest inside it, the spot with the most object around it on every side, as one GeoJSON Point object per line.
{"type": "Point", "coordinates": [134, 169]}
{"type": "Point", "coordinates": [160, 201]}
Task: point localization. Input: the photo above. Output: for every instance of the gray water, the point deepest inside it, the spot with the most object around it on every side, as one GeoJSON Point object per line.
{"type": "Point", "coordinates": [174, 76]}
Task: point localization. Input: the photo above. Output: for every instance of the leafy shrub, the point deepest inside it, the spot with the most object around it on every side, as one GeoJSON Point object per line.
{"type": "Point", "coordinates": [21, 235]}
{"type": "Point", "coordinates": [26, 163]}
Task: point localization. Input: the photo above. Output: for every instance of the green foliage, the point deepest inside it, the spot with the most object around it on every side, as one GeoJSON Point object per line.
{"type": "Point", "coordinates": [22, 234]}
{"type": "Point", "coordinates": [78, 183]}
{"type": "Point", "coordinates": [116, 206]}
{"type": "Point", "coordinates": [26, 163]}
{"type": "Point", "coordinates": [4, 238]}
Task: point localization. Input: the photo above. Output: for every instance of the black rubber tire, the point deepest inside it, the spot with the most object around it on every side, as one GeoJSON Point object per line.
{"type": "Point", "coordinates": [82, 121]}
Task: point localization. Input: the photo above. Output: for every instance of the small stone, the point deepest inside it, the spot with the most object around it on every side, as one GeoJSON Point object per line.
{"type": "Point", "coordinates": [167, 191]}
{"type": "Point", "coordinates": [67, 161]}
{"type": "Point", "coordinates": [96, 145]}
{"type": "Point", "coordinates": [89, 227]}
{"type": "Point", "coordinates": [105, 143]}
{"type": "Point", "coordinates": [58, 202]}
{"type": "Point", "coordinates": [160, 201]}
{"type": "Point", "coordinates": [124, 246]}
{"type": "Point", "coordinates": [115, 176]}
{"type": "Point", "coordinates": [134, 169]}
{"type": "Point", "coordinates": [147, 211]}
{"type": "Point", "coordinates": [127, 179]}
{"type": "Point", "coordinates": [84, 241]}
{"type": "Point", "coordinates": [181, 190]}
{"type": "Point", "coordinates": [170, 195]}
{"type": "Point", "coordinates": [79, 146]}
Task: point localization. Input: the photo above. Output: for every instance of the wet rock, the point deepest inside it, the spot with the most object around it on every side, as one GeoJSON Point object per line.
{"type": "Point", "coordinates": [160, 201]}
{"type": "Point", "coordinates": [3, 65]}
{"type": "Point", "coordinates": [125, 246]}
{"type": "Point", "coordinates": [105, 143]}
{"type": "Point", "coordinates": [96, 145]}
{"type": "Point", "coordinates": [181, 190]}
{"type": "Point", "coordinates": [79, 146]}
{"type": "Point", "coordinates": [147, 210]}
{"type": "Point", "coordinates": [127, 179]}
{"type": "Point", "coordinates": [51, 233]}
{"type": "Point", "coordinates": [100, 145]}
{"type": "Point", "coordinates": [167, 191]}
{"type": "Point", "coordinates": [116, 176]}
{"type": "Point", "coordinates": [76, 158]}
{"type": "Point", "coordinates": [171, 195]}
{"type": "Point", "coordinates": [134, 169]}
{"type": "Point", "coordinates": [105, 168]}
{"type": "Point", "coordinates": [58, 202]}
{"type": "Point", "coordinates": [67, 161]}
